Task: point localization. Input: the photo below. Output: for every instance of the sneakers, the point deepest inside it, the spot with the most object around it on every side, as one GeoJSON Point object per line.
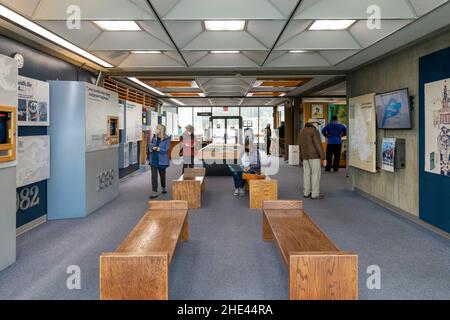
{"type": "Point", "coordinates": [154, 195]}
{"type": "Point", "coordinates": [306, 197]}
{"type": "Point", "coordinates": [320, 196]}
{"type": "Point", "coordinates": [242, 192]}
{"type": "Point", "coordinates": [236, 192]}
{"type": "Point", "coordinates": [164, 191]}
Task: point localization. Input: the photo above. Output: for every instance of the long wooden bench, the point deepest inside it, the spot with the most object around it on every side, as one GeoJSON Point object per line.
{"type": "Point", "coordinates": [317, 269]}
{"type": "Point", "coordinates": [189, 187]}
{"type": "Point", "coordinates": [261, 188]}
{"type": "Point", "coordinates": [139, 268]}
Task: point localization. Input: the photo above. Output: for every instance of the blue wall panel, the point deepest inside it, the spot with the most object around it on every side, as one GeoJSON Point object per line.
{"type": "Point", "coordinates": [434, 190]}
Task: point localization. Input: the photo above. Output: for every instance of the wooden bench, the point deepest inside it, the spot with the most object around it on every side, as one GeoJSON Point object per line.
{"type": "Point", "coordinates": [261, 187]}
{"type": "Point", "coordinates": [139, 268]}
{"type": "Point", "coordinates": [189, 187]}
{"type": "Point", "coordinates": [317, 269]}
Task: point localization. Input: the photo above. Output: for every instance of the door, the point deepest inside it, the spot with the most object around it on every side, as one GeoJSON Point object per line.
{"type": "Point", "coordinates": [226, 129]}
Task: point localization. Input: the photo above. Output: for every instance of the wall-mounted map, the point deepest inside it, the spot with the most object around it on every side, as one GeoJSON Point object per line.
{"type": "Point", "coordinates": [362, 128]}
{"type": "Point", "coordinates": [437, 128]}
{"type": "Point", "coordinates": [33, 160]}
{"type": "Point", "coordinates": [34, 102]}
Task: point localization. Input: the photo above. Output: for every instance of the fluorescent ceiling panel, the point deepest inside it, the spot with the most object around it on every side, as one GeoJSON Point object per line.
{"type": "Point", "coordinates": [225, 25]}
{"type": "Point", "coordinates": [321, 25]}
{"type": "Point", "coordinates": [177, 102]}
{"type": "Point", "coordinates": [146, 52]}
{"type": "Point", "coordinates": [44, 33]}
{"type": "Point", "coordinates": [118, 25]}
{"type": "Point", "coordinates": [224, 51]}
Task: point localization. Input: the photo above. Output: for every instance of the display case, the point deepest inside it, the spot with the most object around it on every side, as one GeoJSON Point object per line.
{"type": "Point", "coordinates": [7, 134]}
{"type": "Point", "coordinates": [113, 130]}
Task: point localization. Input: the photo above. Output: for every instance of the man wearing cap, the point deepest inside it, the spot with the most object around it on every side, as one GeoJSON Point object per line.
{"type": "Point", "coordinates": [311, 153]}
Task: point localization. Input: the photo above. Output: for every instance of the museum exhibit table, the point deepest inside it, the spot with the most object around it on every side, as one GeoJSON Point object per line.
{"type": "Point", "coordinates": [217, 156]}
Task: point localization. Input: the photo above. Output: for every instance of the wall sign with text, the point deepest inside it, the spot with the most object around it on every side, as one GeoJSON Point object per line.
{"type": "Point", "coordinates": [34, 102]}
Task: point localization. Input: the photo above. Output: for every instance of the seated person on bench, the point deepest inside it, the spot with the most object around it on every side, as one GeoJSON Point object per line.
{"type": "Point", "coordinates": [251, 164]}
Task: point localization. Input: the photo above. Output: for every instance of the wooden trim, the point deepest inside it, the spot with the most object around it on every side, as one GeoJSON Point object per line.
{"type": "Point", "coordinates": [323, 276]}
{"type": "Point", "coordinates": [130, 94]}
{"type": "Point", "coordinates": [10, 147]}
{"type": "Point", "coordinates": [168, 205]}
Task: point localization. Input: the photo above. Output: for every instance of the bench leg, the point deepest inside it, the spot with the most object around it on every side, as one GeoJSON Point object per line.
{"type": "Point", "coordinates": [267, 233]}
{"type": "Point", "coordinates": [261, 190]}
{"type": "Point", "coordinates": [323, 276]}
{"type": "Point", "coordinates": [188, 190]}
{"type": "Point", "coordinates": [185, 231]}
{"type": "Point", "coordinates": [128, 276]}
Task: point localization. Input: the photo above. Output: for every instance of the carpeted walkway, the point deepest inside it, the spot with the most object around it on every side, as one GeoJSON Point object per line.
{"type": "Point", "coordinates": [226, 257]}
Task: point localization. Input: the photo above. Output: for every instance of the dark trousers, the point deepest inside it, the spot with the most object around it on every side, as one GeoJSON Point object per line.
{"type": "Point", "coordinates": [333, 157]}
{"type": "Point", "coordinates": [269, 143]}
{"type": "Point", "coordinates": [162, 175]}
{"type": "Point", "coordinates": [236, 173]}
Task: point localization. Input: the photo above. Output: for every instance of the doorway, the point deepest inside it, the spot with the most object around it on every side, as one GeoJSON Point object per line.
{"type": "Point", "coordinates": [226, 130]}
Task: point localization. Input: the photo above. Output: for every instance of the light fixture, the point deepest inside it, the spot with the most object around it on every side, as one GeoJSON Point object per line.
{"type": "Point", "coordinates": [283, 94]}
{"type": "Point", "coordinates": [297, 51]}
{"type": "Point", "coordinates": [177, 102]}
{"type": "Point", "coordinates": [224, 51]}
{"type": "Point", "coordinates": [142, 84]}
{"type": "Point", "coordinates": [146, 52]}
{"type": "Point", "coordinates": [331, 25]}
{"type": "Point", "coordinates": [225, 25]}
{"type": "Point", "coordinates": [44, 33]}
{"type": "Point", "coordinates": [118, 25]}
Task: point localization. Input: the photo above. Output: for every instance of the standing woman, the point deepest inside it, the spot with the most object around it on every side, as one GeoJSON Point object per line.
{"type": "Point", "coordinates": [268, 138]}
{"type": "Point", "coordinates": [159, 159]}
{"type": "Point", "coordinates": [188, 141]}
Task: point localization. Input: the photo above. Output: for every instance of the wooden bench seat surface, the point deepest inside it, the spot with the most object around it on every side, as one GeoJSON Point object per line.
{"type": "Point", "coordinates": [294, 231]}
{"type": "Point", "coordinates": [191, 178]}
{"type": "Point", "coordinates": [158, 231]}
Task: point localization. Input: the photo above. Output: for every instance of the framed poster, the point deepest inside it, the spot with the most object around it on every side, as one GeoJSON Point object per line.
{"type": "Point", "coordinates": [340, 111]}
{"type": "Point", "coordinates": [317, 111]}
{"type": "Point", "coordinates": [121, 107]}
{"type": "Point", "coordinates": [437, 128]}
{"type": "Point", "coordinates": [363, 132]}
{"type": "Point", "coordinates": [388, 154]}
{"type": "Point", "coordinates": [133, 121]}
{"type": "Point", "coordinates": [34, 102]}
{"type": "Point", "coordinates": [33, 160]}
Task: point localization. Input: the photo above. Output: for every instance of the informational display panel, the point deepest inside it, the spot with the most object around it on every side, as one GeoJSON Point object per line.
{"type": "Point", "coordinates": [133, 122]}
{"type": "Point", "coordinates": [362, 123]}
{"type": "Point", "coordinates": [34, 102]}
{"type": "Point", "coordinates": [100, 105]}
{"type": "Point", "coordinates": [154, 120]}
{"type": "Point", "coordinates": [437, 128]}
{"type": "Point", "coordinates": [134, 153]}
{"type": "Point", "coordinates": [388, 154]}
{"type": "Point", "coordinates": [33, 160]}
{"type": "Point", "coordinates": [126, 155]}
{"type": "Point", "coordinates": [121, 107]}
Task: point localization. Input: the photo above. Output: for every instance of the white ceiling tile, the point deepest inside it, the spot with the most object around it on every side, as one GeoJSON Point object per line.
{"type": "Point", "coordinates": [293, 29]}
{"type": "Point", "coordinates": [257, 56]}
{"type": "Point", "coordinates": [367, 37]}
{"type": "Point", "coordinates": [224, 40]}
{"type": "Point", "coordinates": [183, 32]}
{"type": "Point", "coordinates": [224, 60]}
{"type": "Point", "coordinates": [128, 40]}
{"type": "Point", "coordinates": [175, 55]}
{"type": "Point", "coordinates": [25, 7]}
{"type": "Point", "coordinates": [113, 57]}
{"type": "Point", "coordinates": [82, 37]}
{"type": "Point", "coordinates": [150, 60]}
{"type": "Point", "coordinates": [229, 9]}
{"type": "Point", "coordinates": [92, 10]}
{"type": "Point", "coordinates": [336, 56]}
{"type": "Point", "coordinates": [266, 31]}
{"type": "Point", "coordinates": [275, 54]}
{"type": "Point", "coordinates": [285, 6]}
{"type": "Point", "coordinates": [299, 60]}
{"type": "Point", "coordinates": [193, 56]}
{"type": "Point", "coordinates": [163, 7]}
{"type": "Point", "coordinates": [356, 9]}
{"type": "Point", "coordinates": [424, 6]}
{"type": "Point", "coordinates": [155, 29]}
{"type": "Point", "coordinates": [321, 40]}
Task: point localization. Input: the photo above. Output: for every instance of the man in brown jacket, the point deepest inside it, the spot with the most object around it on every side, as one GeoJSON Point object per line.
{"type": "Point", "coordinates": [311, 153]}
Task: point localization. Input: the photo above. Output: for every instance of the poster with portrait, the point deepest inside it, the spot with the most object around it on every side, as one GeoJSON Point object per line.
{"type": "Point", "coordinates": [363, 132]}
{"type": "Point", "coordinates": [33, 160]}
{"type": "Point", "coordinates": [33, 103]}
{"type": "Point", "coordinates": [317, 111]}
{"type": "Point", "coordinates": [437, 128]}
{"type": "Point", "coordinates": [388, 154]}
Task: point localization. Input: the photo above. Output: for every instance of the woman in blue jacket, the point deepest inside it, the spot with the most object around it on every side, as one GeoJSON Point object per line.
{"type": "Point", "coordinates": [159, 159]}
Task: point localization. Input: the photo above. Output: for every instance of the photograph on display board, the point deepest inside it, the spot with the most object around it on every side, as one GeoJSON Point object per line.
{"type": "Point", "coordinates": [393, 110]}
{"type": "Point", "coordinates": [33, 160]}
{"type": "Point", "coordinates": [437, 128]}
{"type": "Point", "coordinates": [34, 101]}
{"type": "Point", "coordinates": [317, 111]}
{"type": "Point", "coordinates": [362, 129]}
{"type": "Point", "coordinates": [340, 111]}
{"type": "Point", "coordinates": [322, 123]}
{"type": "Point", "coordinates": [388, 154]}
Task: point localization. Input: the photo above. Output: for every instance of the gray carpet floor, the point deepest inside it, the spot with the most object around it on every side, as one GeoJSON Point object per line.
{"type": "Point", "coordinates": [226, 257]}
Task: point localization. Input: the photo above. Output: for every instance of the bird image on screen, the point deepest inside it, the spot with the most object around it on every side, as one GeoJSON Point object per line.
{"type": "Point", "coordinates": [393, 110]}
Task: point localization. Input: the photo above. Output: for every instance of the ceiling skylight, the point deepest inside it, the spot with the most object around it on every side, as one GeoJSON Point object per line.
{"type": "Point", "coordinates": [331, 25]}
{"type": "Point", "coordinates": [118, 25]}
{"type": "Point", "coordinates": [226, 25]}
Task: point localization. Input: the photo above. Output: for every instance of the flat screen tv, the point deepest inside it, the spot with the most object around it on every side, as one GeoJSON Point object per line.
{"type": "Point", "coordinates": [393, 110]}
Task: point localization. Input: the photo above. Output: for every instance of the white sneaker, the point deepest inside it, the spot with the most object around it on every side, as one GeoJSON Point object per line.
{"type": "Point", "coordinates": [242, 192]}
{"type": "Point", "coordinates": [236, 192]}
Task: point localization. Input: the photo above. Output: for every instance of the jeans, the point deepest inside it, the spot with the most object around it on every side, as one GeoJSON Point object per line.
{"type": "Point", "coordinates": [162, 175]}
{"type": "Point", "coordinates": [333, 157]}
{"type": "Point", "coordinates": [236, 173]}
{"type": "Point", "coordinates": [311, 177]}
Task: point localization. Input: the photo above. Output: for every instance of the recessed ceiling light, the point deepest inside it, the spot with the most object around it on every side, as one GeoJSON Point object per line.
{"type": "Point", "coordinates": [224, 51]}
{"type": "Point", "coordinates": [177, 102]}
{"type": "Point", "coordinates": [297, 51]}
{"type": "Point", "coordinates": [225, 25]}
{"type": "Point", "coordinates": [146, 52]}
{"type": "Point", "coordinates": [44, 33]}
{"type": "Point", "coordinates": [331, 24]}
{"type": "Point", "coordinates": [142, 84]}
{"type": "Point", "coordinates": [283, 94]}
{"type": "Point", "coordinates": [118, 25]}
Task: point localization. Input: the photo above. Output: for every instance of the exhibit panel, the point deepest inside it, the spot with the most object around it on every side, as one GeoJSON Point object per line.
{"type": "Point", "coordinates": [133, 120]}
{"type": "Point", "coordinates": [362, 133]}
{"type": "Point", "coordinates": [33, 160]}
{"type": "Point", "coordinates": [8, 127]}
{"type": "Point", "coordinates": [34, 102]}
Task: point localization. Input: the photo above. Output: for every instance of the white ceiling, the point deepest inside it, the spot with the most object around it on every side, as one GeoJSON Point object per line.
{"type": "Point", "coordinates": [273, 27]}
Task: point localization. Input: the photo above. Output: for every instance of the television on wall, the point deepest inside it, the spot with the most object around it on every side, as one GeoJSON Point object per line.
{"type": "Point", "coordinates": [393, 110]}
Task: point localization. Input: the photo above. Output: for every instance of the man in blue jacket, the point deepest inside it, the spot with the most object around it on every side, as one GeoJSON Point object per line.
{"type": "Point", "coordinates": [334, 131]}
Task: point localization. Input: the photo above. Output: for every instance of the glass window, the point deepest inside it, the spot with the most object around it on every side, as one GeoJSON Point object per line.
{"type": "Point", "coordinates": [250, 120]}
{"type": "Point", "coordinates": [185, 116]}
{"type": "Point", "coordinates": [228, 112]}
{"type": "Point", "coordinates": [201, 123]}
{"type": "Point", "coordinates": [265, 118]}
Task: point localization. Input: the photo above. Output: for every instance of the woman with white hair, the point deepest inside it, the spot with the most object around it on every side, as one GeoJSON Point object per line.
{"type": "Point", "coordinates": [159, 159]}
